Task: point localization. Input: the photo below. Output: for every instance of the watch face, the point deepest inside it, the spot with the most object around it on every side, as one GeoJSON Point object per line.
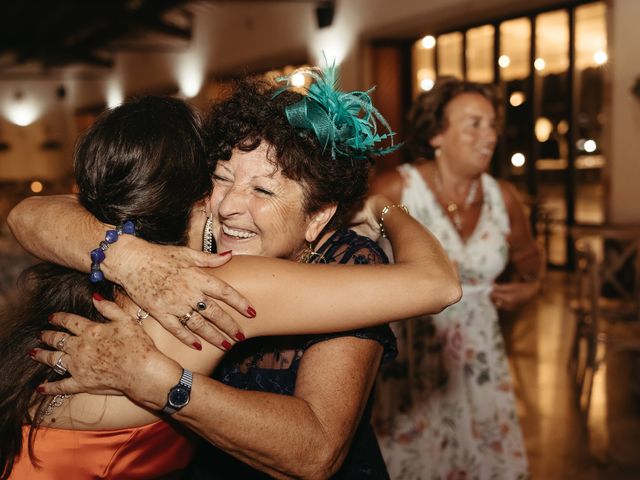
{"type": "Point", "coordinates": [179, 397]}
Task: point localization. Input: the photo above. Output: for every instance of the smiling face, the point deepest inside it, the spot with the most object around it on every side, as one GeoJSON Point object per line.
{"type": "Point", "coordinates": [258, 211]}
{"type": "Point", "coordinates": [467, 143]}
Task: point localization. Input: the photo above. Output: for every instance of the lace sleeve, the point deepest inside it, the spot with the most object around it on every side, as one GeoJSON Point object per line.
{"type": "Point", "coordinates": [347, 247]}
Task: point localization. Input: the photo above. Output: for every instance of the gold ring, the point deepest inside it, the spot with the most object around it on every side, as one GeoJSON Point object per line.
{"type": "Point", "coordinates": [60, 343]}
{"type": "Point", "coordinates": [185, 318]}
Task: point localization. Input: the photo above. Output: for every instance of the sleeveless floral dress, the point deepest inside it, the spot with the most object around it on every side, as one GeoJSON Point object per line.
{"type": "Point", "coordinates": [468, 427]}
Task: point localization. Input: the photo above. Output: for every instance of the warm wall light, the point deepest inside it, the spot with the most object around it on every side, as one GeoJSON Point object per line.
{"type": "Point", "coordinates": [590, 146]}
{"type": "Point", "coordinates": [517, 98]}
{"type": "Point", "coordinates": [517, 159]}
{"type": "Point", "coordinates": [600, 57]}
{"type": "Point", "coordinates": [504, 61]}
{"type": "Point", "coordinates": [22, 112]}
{"type": "Point", "coordinates": [429, 41]}
{"type": "Point", "coordinates": [114, 94]}
{"type": "Point", "coordinates": [190, 73]}
{"type": "Point", "coordinates": [563, 127]}
{"type": "Point", "coordinates": [36, 187]}
{"type": "Point", "coordinates": [543, 129]}
{"type": "Point", "coordinates": [426, 84]}
{"type": "Point", "coordinates": [330, 47]}
{"type": "Point", "coordinates": [539, 64]}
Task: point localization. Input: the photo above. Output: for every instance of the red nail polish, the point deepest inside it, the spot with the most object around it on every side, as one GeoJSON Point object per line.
{"type": "Point", "coordinates": [197, 345]}
{"type": "Point", "coordinates": [251, 312]}
{"type": "Point", "coordinates": [226, 345]}
{"type": "Point", "coordinates": [225, 253]}
{"type": "Point", "coordinates": [240, 336]}
{"type": "Point", "coordinates": [40, 389]}
{"type": "Point", "coordinates": [32, 353]}
{"type": "Point", "coordinates": [96, 296]}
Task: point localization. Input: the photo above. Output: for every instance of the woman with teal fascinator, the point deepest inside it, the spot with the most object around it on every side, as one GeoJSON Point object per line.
{"type": "Point", "coordinates": [289, 170]}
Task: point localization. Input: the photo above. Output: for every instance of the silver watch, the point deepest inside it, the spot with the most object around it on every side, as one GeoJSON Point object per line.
{"type": "Point", "coordinates": [179, 395]}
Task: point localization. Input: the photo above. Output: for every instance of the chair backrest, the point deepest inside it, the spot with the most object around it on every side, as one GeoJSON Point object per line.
{"type": "Point", "coordinates": [617, 264]}
{"type": "Point", "coordinates": [588, 275]}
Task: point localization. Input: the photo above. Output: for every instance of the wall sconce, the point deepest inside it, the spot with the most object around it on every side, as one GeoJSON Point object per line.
{"type": "Point", "coordinates": [22, 111]}
{"type": "Point", "coordinates": [324, 14]}
{"type": "Point", "coordinates": [635, 90]}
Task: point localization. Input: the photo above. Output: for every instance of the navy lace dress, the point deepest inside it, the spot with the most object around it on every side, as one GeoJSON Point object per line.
{"type": "Point", "coordinates": [271, 365]}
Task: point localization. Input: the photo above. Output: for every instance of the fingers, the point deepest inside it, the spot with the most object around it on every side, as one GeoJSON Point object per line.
{"type": "Point", "coordinates": [70, 321]}
{"type": "Point", "coordinates": [61, 387]}
{"type": "Point", "coordinates": [218, 317]}
{"type": "Point", "coordinates": [173, 326]}
{"type": "Point", "coordinates": [110, 310]}
{"type": "Point", "coordinates": [222, 291]}
{"type": "Point", "coordinates": [203, 259]}
{"type": "Point", "coordinates": [50, 357]}
{"type": "Point", "coordinates": [200, 325]}
{"type": "Point", "coordinates": [58, 340]}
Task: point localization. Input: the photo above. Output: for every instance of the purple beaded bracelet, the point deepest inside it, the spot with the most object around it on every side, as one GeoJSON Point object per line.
{"type": "Point", "coordinates": [98, 255]}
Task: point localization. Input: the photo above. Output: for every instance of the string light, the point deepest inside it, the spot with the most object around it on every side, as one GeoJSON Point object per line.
{"type": "Point", "coordinates": [504, 61]}
{"type": "Point", "coordinates": [429, 41]}
{"type": "Point", "coordinates": [518, 160]}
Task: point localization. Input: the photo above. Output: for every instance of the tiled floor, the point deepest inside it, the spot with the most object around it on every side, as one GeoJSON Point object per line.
{"type": "Point", "coordinates": [560, 443]}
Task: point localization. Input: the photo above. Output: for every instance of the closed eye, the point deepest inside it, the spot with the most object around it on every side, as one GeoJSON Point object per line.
{"type": "Point", "coordinates": [263, 191]}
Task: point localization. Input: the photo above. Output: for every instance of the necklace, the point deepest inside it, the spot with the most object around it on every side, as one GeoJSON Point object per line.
{"type": "Point", "coordinates": [453, 208]}
{"type": "Point", "coordinates": [55, 402]}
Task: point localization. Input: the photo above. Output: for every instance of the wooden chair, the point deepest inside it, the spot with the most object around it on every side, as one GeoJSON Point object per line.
{"type": "Point", "coordinates": [596, 314]}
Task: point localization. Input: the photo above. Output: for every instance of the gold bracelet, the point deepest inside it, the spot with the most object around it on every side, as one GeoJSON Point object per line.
{"type": "Point", "coordinates": [385, 210]}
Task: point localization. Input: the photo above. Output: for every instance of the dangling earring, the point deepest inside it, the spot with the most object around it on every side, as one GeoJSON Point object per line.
{"type": "Point", "coordinates": [308, 255]}
{"type": "Point", "coordinates": [207, 235]}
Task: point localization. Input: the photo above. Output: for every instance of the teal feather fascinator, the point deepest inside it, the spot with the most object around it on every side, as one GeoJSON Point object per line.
{"type": "Point", "coordinates": [345, 122]}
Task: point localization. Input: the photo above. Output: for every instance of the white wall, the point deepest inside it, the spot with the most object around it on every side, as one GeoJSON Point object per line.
{"type": "Point", "coordinates": [624, 133]}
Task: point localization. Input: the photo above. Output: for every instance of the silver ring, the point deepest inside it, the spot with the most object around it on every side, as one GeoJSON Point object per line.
{"type": "Point", "coordinates": [141, 314]}
{"type": "Point", "coordinates": [59, 368]}
{"type": "Point", "coordinates": [201, 306]}
{"type": "Point", "coordinates": [60, 343]}
{"type": "Point", "coordinates": [185, 318]}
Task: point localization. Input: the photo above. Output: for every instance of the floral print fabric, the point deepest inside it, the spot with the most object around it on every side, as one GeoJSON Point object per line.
{"type": "Point", "coordinates": [468, 427]}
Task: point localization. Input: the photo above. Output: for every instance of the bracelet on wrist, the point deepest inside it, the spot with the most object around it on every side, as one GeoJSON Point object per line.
{"type": "Point", "coordinates": [385, 210]}
{"type": "Point", "coordinates": [98, 254]}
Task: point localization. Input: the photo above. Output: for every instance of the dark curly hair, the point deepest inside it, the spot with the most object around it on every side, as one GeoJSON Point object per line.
{"type": "Point", "coordinates": [427, 117]}
{"type": "Point", "coordinates": [251, 114]}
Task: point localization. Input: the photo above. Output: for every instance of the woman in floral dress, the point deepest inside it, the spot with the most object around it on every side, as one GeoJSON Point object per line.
{"type": "Point", "coordinates": [457, 418]}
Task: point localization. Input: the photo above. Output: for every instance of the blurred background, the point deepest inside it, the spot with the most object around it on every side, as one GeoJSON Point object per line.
{"type": "Point", "coordinates": [569, 77]}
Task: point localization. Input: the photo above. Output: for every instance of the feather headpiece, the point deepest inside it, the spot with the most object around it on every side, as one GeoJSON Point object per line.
{"type": "Point", "coordinates": [345, 122]}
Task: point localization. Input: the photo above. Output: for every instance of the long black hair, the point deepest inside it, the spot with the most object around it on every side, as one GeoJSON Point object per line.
{"type": "Point", "coordinates": [142, 161]}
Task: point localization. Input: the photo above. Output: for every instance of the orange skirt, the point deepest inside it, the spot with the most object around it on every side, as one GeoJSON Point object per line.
{"type": "Point", "coordinates": [155, 451]}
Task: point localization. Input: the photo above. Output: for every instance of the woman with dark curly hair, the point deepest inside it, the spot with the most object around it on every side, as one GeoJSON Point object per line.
{"type": "Point", "coordinates": [287, 406]}
{"type": "Point", "coordinates": [457, 416]}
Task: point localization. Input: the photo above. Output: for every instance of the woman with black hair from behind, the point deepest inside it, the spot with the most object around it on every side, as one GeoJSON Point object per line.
{"type": "Point", "coordinates": [142, 168]}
